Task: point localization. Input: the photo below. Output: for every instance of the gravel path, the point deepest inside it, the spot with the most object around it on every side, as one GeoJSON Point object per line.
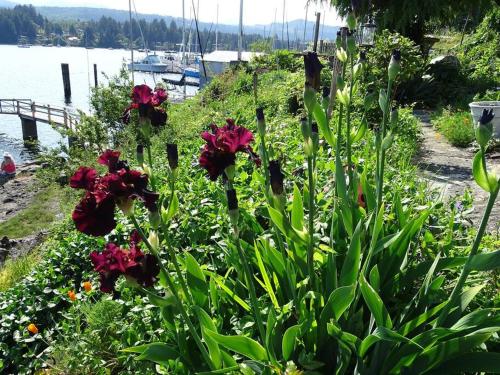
{"type": "Point", "coordinates": [449, 169]}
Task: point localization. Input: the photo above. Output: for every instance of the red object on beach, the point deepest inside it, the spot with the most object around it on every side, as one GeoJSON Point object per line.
{"type": "Point", "coordinates": [9, 168]}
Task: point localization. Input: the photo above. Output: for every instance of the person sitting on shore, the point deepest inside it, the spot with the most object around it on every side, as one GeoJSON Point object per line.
{"type": "Point", "coordinates": [8, 167]}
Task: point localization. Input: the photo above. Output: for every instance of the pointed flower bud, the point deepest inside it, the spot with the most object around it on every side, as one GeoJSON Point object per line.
{"type": "Point", "coordinates": [313, 68]}
{"type": "Point", "coordinates": [140, 154]}
{"type": "Point", "coordinates": [486, 117]}
{"type": "Point", "coordinates": [341, 55]}
{"type": "Point", "coordinates": [172, 155]}
{"type": "Point", "coordinates": [394, 65]}
{"type": "Point", "coordinates": [276, 177]}
{"type": "Point", "coordinates": [154, 240]}
{"type": "Point", "coordinates": [232, 205]}
{"type": "Point", "coordinates": [484, 129]}
{"type": "Point", "coordinates": [261, 122]}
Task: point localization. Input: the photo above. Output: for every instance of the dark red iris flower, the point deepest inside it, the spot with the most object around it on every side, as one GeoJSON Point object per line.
{"type": "Point", "coordinates": [84, 178]}
{"type": "Point", "coordinates": [94, 215]}
{"type": "Point", "coordinates": [92, 218]}
{"type": "Point", "coordinates": [147, 102]}
{"type": "Point", "coordinates": [109, 158]}
{"type": "Point", "coordinates": [222, 145]}
{"type": "Point", "coordinates": [114, 261]}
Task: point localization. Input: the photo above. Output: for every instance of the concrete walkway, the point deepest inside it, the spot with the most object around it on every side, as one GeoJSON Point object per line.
{"type": "Point", "coordinates": [449, 169]}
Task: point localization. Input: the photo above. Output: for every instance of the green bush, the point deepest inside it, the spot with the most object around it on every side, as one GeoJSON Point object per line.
{"type": "Point", "coordinates": [457, 127]}
{"type": "Point", "coordinates": [480, 53]}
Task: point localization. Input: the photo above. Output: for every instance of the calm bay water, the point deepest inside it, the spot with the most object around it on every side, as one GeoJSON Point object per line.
{"type": "Point", "coordinates": [35, 73]}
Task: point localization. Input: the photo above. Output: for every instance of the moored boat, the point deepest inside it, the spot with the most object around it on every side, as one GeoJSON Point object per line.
{"type": "Point", "coordinates": [151, 63]}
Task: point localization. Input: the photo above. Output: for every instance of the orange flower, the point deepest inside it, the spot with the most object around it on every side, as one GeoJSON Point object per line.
{"type": "Point", "coordinates": [32, 329]}
{"type": "Point", "coordinates": [87, 286]}
{"type": "Point", "coordinates": [72, 295]}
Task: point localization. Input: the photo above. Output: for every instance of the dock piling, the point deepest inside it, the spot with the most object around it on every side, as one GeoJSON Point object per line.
{"type": "Point", "coordinates": [29, 128]}
{"type": "Point", "coordinates": [66, 82]}
{"type": "Point", "coordinates": [95, 75]}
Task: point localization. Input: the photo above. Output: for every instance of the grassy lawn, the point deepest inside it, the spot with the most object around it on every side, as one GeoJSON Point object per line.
{"type": "Point", "coordinates": [48, 205]}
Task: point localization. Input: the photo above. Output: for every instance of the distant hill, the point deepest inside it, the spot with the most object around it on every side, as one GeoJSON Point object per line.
{"type": "Point", "coordinates": [295, 28]}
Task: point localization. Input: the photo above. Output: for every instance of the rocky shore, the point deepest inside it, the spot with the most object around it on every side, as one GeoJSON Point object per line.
{"type": "Point", "coordinates": [16, 195]}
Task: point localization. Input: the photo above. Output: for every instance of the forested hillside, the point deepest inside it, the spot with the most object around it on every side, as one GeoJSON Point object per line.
{"type": "Point", "coordinates": [25, 21]}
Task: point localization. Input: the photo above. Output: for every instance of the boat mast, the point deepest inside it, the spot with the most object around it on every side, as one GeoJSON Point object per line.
{"type": "Point", "coordinates": [283, 23]}
{"type": "Point", "coordinates": [131, 41]}
{"type": "Point", "coordinates": [183, 33]}
{"type": "Point", "coordinates": [305, 26]}
{"type": "Point", "coordinates": [240, 38]}
{"type": "Point", "coordinates": [217, 29]}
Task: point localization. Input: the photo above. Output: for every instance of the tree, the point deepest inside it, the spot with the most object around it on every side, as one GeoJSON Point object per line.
{"type": "Point", "coordinates": [412, 18]}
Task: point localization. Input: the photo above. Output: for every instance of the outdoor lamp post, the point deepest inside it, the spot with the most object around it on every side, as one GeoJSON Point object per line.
{"type": "Point", "coordinates": [366, 34]}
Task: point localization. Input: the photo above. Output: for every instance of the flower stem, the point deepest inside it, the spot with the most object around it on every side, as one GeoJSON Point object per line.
{"type": "Point", "coordinates": [452, 301]}
{"type": "Point", "coordinates": [178, 301]}
{"type": "Point", "coordinates": [381, 167]}
{"type": "Point", "coordinates": [310, 252]}
{"type": "Point", "coordinates": [348, 120]}
{"type": "Point", "coordinates": [251, 288]}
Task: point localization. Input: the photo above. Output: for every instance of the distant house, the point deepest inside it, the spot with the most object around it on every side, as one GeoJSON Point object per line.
{"type": "Point", "coordinates": [218, 62]}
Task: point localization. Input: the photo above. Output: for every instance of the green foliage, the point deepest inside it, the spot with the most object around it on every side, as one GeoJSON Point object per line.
{"type": "Point", "coordinates": [412, 62]}
{"type": "Point", "coordinates": [457, 127]}
{"type": "Point", "coordinates": [94, 332]}
{"type": "Point", "coordinates": [279, 59]}
{"type": "Point", "coordinates": [480, 52]}
{"type": "Point", "coordinates": [374, 316]}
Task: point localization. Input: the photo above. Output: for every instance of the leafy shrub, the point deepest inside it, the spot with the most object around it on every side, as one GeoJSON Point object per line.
{"type": "Point", "coordinates": [480, 52]}
{"type": "Point", "coordinates": [92, 334]}
{"type": "Point", "coordinates": [412, 62]}
{"type": "Point", "coordinates": [280, 59]}
{"type": "Point", "coordinates": [456, 127]}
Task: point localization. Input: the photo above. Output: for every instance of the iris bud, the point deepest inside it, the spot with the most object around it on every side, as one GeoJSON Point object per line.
{"type": "Point", "coordinates": [153, 240]}
{"type": "Point", "coordinates": [341, 55]}
{"type": "Point", "coordinates": [172, 155]}
{"type": "Point", "coordinates": [261, 122]}
{"type": "Point", "coordinates": [232, 204]}
{"type": "Point", "coordinates": [276, 177]}
{"type": "Point", "coordinates": [484, 129]}
{"type": "Point", "coordinates": [140, 154]}
{"type": "Point", "coordinates": [313, 68]}
{"type": "Point", "coordinates": [394, 65]}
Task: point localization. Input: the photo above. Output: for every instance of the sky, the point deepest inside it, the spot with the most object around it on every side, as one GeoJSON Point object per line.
{"type": "Point", "coordinates": [255, 11]}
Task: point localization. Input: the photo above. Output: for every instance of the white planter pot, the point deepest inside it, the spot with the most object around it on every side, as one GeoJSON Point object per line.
{"type": "Point", "coordinates": [476, 109]}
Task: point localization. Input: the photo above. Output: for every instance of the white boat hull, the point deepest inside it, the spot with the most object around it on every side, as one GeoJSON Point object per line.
{"type": "Point", "coordinates": [153, 68]}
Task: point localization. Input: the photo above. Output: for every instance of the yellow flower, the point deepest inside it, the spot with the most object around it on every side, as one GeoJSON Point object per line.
{"type": "Point", "coordinates": [32, 329]}
{"type": "Point", "coordinates": [87, 286]}
{"type": "Point", "coordinates": [72, 295]}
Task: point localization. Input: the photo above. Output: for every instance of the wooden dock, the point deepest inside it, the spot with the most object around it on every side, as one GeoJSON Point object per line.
{"type": "Point", "coordinates": [30, 113]}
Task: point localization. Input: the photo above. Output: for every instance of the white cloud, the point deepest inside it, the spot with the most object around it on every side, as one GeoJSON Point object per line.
{"type": "Point", "coordinates": [255, 11]}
